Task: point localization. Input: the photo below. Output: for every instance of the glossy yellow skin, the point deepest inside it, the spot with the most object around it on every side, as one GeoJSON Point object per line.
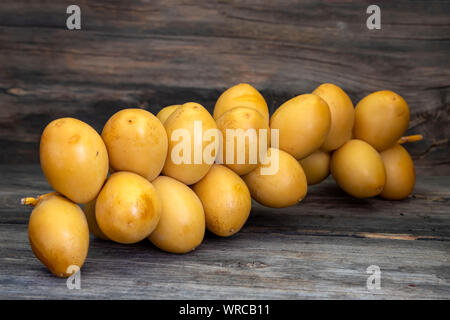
{"type": "Point", "coordinates": [316, 166]}
{"type": "Point", "coordinates": [285, 188]}
{"type": "Point", "coordinates": [182, 225]}
{"type": "Point", "coordinates": [358, 169]}
{"type": "Point", "coordinates": [183, 118]}
{"type": "Point", "coordinates": [303, 123]}
{"type": "Point", "coordinates": [127, 208]}
{"type": "Point", "coordinates": [400, 173]}
{"type": "Point", "coordinates": [89, 211]}
{"type": "Point", "coordinates": [241, 95]}
{"type": "Point", "coordinates": [58, 234]}
{"type": "Point", "coordinates": [74, 159]}
{"type": "Point", "coordinates": [342, 115]}
{"type": "Point", "coordinates": [137, 142]}
{"type": "Point", "coordinates": [226, 200]}
{"type": "Point", "coordinates": [243, 118]}
{"type": "Point", "coordinates": [165, 112]}
{"type": "Point", "coordinates": [381, 119]}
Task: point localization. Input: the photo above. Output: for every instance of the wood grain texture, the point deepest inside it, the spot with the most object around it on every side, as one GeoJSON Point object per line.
{"type": "Point", "coordinates": [155, 53]}
{"type": "Point", "coordinates": [320, 248]}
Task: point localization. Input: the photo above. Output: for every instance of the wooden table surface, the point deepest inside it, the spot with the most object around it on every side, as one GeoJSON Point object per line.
{"type": "Point", "coordinates": [320, 248]}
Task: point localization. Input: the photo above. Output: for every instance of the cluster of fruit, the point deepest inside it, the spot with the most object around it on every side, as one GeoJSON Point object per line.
{"type": "Point", "coordinates": [133, 188]}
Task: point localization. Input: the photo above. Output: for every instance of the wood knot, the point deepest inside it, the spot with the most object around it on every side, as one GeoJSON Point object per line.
{"type": "Point", "coordinates": [17, 91]}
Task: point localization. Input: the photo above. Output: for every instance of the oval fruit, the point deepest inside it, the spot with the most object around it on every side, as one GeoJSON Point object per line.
{"type": "Point", "coordinates": [358, 169]}
{"type": "Point", "coordinates": [381, 119]}
{"type": "Point", "coordinates": [58, 234]}
{"type": "Point", "coordinates": [303, 123]}
{"type": "Point", "coordinates": [316, 166]}
{"type": "Point", "coordinates": [137, 142]}
{"type": "Point", "coordinates": [226, 200]}
{"type": "Point", "coordinates": [400, 173]}
{"type": "Point", "coordinates": [165, 112]}
{"type": "Point", "coordinates": [127, 208]}
{"type": "Point", "coordinates": [182, 225]}
{"type": "Point", "coordinates": [342, 115]}
{"type": "Point", "coordinates": [241, 95]}
{"type": "Point", "coordinates": [74, 159]}
{"type": "Point", "coordinates": [244, 127]}
{"type": "Point", "coordinates": [181, 130]}
{"type": "Point", "coordinates": [89, 211]}
{"type": "Point", "coordinates": [279, 181]}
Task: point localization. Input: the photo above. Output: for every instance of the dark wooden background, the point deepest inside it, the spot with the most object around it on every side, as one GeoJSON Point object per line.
{"type": "Point", "coordinates": [155, 53]}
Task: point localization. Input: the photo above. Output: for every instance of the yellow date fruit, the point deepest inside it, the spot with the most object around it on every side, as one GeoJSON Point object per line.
{"type": "Point", "coordinates": [241, 95]}
{"type": "Point", "coordinates": [226, 200]}
{"type": "Point", "coordinates": [74, 159]}
{"type": "Point", "coordinates": [316, 166]}
{"type": "Point", "coordinates": [243, 144]}
{"type": "Point", "coordinates": [381, 118]}
{"type": "Point", "coordinates": [58, 234]}
{"type": "Point", "coordinates": [303, 123]}
{"type": "Point", "coordinates": [358, 169]}
{"type": "Point", "coordinates": [182, 225]}
{"type": "Point", "coordinates": [127, 208]}
{"type": "Point", "coordinates": [165, 112]}
{"type": "Point", "coordinates": [282, 186]}
{"type": "Point", "coordinates": [342, 115]}
{"type": "Point", "coordinates": [137, 142]}
{"type": "Point", "coordinates": [185, 143]}
{"type": "Point", "coordinates": [89, 211]}
{"type": "Point", "coordinates": [400, 173]}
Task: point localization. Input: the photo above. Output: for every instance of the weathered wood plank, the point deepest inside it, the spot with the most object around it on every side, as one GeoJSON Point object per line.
{"type": "Point", "coordinates": [151, 54]}
{"type": "Point", "coordinates": [318, 249]}
{"type": "Point", "coordinates": [325, 211]}
{"type": "Point", "coordinates": [244, 267]}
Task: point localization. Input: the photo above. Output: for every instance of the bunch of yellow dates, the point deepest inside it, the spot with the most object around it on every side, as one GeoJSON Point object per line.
{"type": "Point", "coordinates": [132, 188]}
